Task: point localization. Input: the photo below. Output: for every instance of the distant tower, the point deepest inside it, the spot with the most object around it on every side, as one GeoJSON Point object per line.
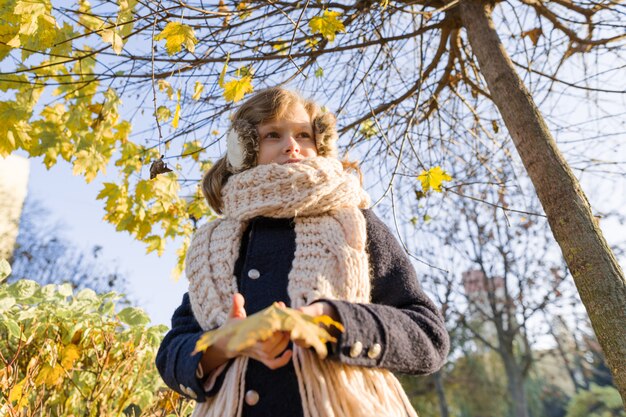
{"type": "Point", "coordinates": [14, 172]}
{"type": "Point", "coordinates": [477, 291]}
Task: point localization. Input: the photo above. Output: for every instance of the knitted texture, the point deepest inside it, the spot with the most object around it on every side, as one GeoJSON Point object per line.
{"type": "Point", "coordinates": [330, 262]}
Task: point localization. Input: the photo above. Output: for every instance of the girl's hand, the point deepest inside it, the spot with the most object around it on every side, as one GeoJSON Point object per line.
{"type": "Point", "coordinates": [316, 309]}
{"type": "Point", "coordinates": [270, 352]}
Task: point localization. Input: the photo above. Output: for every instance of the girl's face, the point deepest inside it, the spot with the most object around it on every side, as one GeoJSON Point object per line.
{"type": "Point", "coordinates": [287, 139]}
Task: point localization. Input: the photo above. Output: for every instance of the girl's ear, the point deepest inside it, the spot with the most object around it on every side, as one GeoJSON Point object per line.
{"type": "Point", "coordinates": [242, 146]}
{"type": "Point", "coordinates": [325, 126]}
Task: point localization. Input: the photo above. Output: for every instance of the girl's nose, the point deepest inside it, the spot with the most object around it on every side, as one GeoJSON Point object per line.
{"type": "Point", "coordinates": [292, 145]}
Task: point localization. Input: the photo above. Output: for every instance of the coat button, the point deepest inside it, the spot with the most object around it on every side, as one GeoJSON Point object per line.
{"type": "Point", "coordinates": [252, 397]}
{"type": "Point", "coordinates": [374, 351]}
{"type": "Point", "coordinates": [188, 391]}
{"type": "Point", "coordinates": [254, 274]}
{"type": "Point", "coordinates": [356, 349]}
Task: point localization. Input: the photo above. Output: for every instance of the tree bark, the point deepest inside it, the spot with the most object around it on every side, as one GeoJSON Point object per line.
{"type": "Point", "coordinates": [597, 275]}
{"type": "Point", "coordinates": [515, 385]}
{"type": "Point", "coordinates": [441, 394]}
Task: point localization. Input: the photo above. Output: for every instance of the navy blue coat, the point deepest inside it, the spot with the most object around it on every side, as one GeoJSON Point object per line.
{"type": "Point", "coordinates": [402, 319]}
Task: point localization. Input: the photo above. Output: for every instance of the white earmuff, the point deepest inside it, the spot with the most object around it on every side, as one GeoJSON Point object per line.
{"type": "Point", "coordinates": [234, 150]}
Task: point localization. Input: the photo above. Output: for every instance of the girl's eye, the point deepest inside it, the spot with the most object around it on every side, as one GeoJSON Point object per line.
{"type": "Point", "coordinates": [272, 135]}
{"type": "Point", "coordinates": [305, 135]}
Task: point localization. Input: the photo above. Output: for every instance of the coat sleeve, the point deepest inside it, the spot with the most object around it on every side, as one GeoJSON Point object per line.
{"type": "Point", "coordinates": [401, 330]}
{"type": "Point", "coordinates": [177, 366]}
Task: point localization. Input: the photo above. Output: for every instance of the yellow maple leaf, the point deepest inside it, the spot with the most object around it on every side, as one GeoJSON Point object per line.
{"type": "Point", "coordinates": [69, 355]}
{"type": "Point", "coordinates": [89, 162]}
{"type": "Point", "coordinates": [163, 113]}
{"type": "Point", "coordinates": [220, 80]}
{"type": "Point", "coordinates": [87, 18]}
{"type": "Point", "coordinates": [50, 375]}
{"type": "Point", "coordinates": [234, 90]}
{"type": "Point", "coordinates": [327, 24]}
{"type": "Point", "coordinates": [16, 392]}
{"type": "Point", "coordinates": [176, 35]}
{"type": "Point", "coordinates": [167, 87]}
{"type": "Point", "coordinates": [30, 12]}
{"type": "Point", "coordinates": [433, 179]}
{"type": "Point", "coordinates": [197, 90]}
{"type": "Point", "coordinates": [112, 37]}
{"type": "Point", "coordinates": [176, 112]}
{"type": "Point", "coordinates": [260, 326]}
{"type": "Point", "coordinates": [281, 46]}
{"type": "Point", "coordinates": [155, 243]}
{"type": "Point", "coordinates": [192, 149]}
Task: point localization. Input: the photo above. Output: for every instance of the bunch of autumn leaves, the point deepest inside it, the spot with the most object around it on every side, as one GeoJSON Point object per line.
{"type": "Point", "coordinates": [258, 327]}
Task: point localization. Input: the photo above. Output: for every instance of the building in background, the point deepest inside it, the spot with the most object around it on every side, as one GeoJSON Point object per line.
{"type": "Point", "coordinates": [14, 171]}
{"type": "Point", "coordinates": [477, 288]}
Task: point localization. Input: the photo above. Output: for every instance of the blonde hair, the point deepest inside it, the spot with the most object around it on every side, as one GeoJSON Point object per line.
{"type": "Point", "coordinates": [264, 106]}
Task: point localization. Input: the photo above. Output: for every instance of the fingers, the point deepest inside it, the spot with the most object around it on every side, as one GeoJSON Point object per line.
{"type": "Point", "coordinates": [270, 348]}
{"type": "Point", "coordinates": [279, 346]}
{"type": "Point", "coordinates": [237, 310]}
{"type": "Point", "coordinates": [269, 352]}
{"type": "Point", "coordinates": [314, 310]}
{"type": "Point", "coordinates": [280, 361]}
{"type": "Point", "coordinates": [302, 343]}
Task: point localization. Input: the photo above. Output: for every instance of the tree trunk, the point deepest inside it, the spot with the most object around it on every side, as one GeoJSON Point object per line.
{"type": "Point", "coordinates": [515, 385]}
{"type": "Point", "coordinates": [598, 276]}
{"type": "Point", "coordinates": [441, 394]}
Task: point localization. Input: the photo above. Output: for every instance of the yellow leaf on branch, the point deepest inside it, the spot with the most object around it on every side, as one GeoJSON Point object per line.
{"type": "Point", "coordinates": [155, 243]}
{"type": "Point", "coordinates": [50, 375]}
{"type": "Point", "coordinates": [234, 90]}
{"type": "Point", "coordinates": [176, 36]}
{"type": "Point", "coordinates": [125, 16]}
{"type": "Point", "coordinates": [192, 149]}
{"type": "Point", "coordinates": [197, 90]}
{"type": "Point", "coordinates": [163, 113]}
{"type": "Point", "coordinates": [166, 87]}
{"type": "Point", "coordinates": [89, 162]}
{"type": "Point", "coordinates": [260, 326]}
{"type": "Point", "coordinates": [327, 24]}
{"type": "Point", "coordinates": [69, 356]}
{"type": "Point", "coordinates": [220, 80]}
{"type": "Point", "coordinates": [112, 37]}
{"type": "Point", "coordinates": [176, 112]}
{"type": "Point", "coordinates": [87, 18]}
{"type": "Point", "coordinates": [433, 179]}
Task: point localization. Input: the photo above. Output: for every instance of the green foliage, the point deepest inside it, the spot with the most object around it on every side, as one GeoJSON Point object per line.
{"type": "Point", "coordinates": [478, 384]}
{"type": "Point", "coordinates": [474, 385]}
{"type": "Point", "coordinates": [421, 393]}
{"type": "Point", "coordinates": [82, 124]}
{"type": "Point", "coordinates": [597, 402]}
{"type": "Point", "coordinates": [64, 353]}
{"type": "Point", "coordinates": [5, 269]}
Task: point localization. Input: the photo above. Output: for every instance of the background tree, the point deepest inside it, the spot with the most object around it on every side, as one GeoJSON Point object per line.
{"type": "Point", "coordinates": [43, 253]}
{"type": "Point", "coordinates": [424, 76]}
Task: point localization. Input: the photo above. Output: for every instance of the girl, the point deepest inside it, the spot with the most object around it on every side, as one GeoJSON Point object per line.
{"type": "Point", "coordinates": [295, 228]}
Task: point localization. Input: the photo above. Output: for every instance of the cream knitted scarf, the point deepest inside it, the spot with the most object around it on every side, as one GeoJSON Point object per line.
{"type": "Point", "coordinates": [330, 262]}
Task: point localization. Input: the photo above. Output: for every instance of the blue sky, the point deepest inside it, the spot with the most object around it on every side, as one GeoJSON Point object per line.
{"type": "Point", "coordinates": [73, 203]}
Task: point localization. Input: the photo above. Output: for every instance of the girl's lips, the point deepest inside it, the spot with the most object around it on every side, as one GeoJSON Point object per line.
{"type": "Point", "coordinates": [291, 161]}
